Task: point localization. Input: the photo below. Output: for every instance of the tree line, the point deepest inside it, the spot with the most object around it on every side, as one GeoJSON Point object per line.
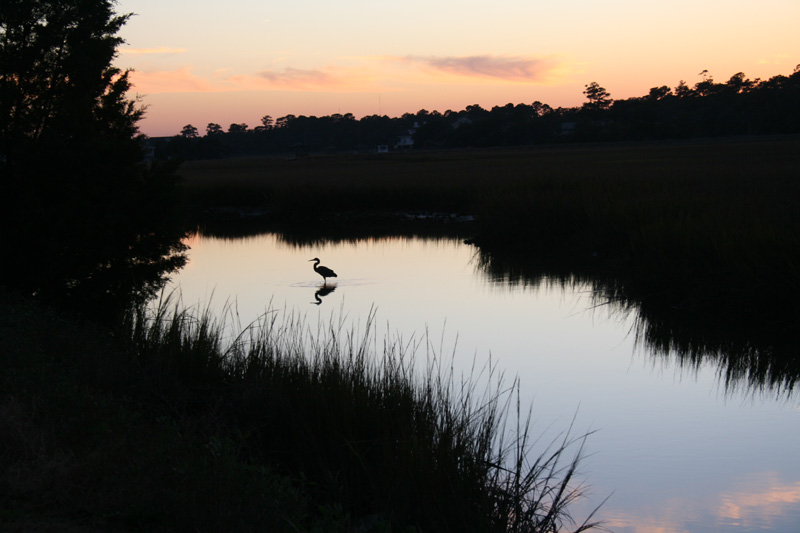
{"type": "Point", "coordinates": [738, 106]}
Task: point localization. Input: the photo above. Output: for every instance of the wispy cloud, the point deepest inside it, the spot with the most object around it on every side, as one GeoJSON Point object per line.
{"type": "Point", "coordinates": [171, 81]}
{"type": "Point", "coordinates": [329, 78]}
{"type": "Point", "coordinates": [295, 76]}
{"type": "Point", "coordinates": [160, 50]}
{"type": "Point", "coordinates": [508, 68]}
{"type": "Point", "coordinates": [185, 80]}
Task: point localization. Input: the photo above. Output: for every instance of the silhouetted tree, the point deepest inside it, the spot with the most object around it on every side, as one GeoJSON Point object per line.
{"type": "Point", "coordinates": [539, 109]}
{"type": "Point", "coordinates": [189, 132]}
{"type": "Point", "coordinates": [213, 129]}
{"type": "Point", "coordinates": [598, 97]}
{"type": "Point", "coordinates": [659, 93]}
{"type": "Point", "coordinates": [266, 123]}
{"type": "Point", "coordinates": [88, 212]}
{"type": "Point", "coordinates": [237, 129]}
{"type": "Point", "coordinates": [739, 83]}
{"type": "Point", "coordinates": [284, 121]}
{"type": "Point", "coordinates": [683, 90]}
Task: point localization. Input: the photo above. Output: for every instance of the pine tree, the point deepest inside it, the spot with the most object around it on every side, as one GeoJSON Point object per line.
{"type": "Point", "coordinates": [88, 212]}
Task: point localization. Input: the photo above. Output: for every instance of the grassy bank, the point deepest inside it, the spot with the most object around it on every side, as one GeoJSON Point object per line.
{"type": "Point", "coordinates": [460, 179]}
{"type": "Point", "coordinates": [170, 424]}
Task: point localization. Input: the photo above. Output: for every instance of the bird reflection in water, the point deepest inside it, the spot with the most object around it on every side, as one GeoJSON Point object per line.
{"type": "Point", "coordinates": [323, 292]}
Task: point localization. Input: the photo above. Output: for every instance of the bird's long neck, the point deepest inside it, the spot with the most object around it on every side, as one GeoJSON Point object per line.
{"type": "Point", "coordinates": [316, 264]}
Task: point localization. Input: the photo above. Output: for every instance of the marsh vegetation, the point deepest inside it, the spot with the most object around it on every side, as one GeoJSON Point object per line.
{"type": "Point", "coordinates": [274, 427]}
{"type": "Point", "coordinates": [713, 218]}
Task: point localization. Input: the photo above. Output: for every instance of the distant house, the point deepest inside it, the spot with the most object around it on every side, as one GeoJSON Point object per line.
{"type": "Point", "coordinates": [406, 141]}
{"type": "Point", "coordinates": [567, 128]}
{"type": "Point", "coordinates": [382, 149]}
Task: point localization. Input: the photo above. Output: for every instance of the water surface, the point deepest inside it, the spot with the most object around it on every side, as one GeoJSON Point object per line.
{"type": "Point", "coordinates": [674, 448]}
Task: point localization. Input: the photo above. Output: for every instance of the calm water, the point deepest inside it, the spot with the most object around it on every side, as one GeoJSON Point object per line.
{"type": "Point", "coordinates": [673, 448]}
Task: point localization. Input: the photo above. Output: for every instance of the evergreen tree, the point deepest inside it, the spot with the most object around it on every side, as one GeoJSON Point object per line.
{"type": "Point", "coordinates": [89, 213]}
{"type": "Point", "coordinates": [598, 97]}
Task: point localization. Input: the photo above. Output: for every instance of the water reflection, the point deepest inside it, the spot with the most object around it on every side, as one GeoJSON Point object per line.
{"type": "Point", "coordinates": [322, 292]}
{"type": "Point", "coordinates": [756, 502]}
{"type": "Point", "coordinates": [350, 229]}
{"type": "Point", "coordinates": [747, 355]}
{"type": "Point", "coordinates": [674, 455]}
{"type": "Point", "coordinates": [751, 347]}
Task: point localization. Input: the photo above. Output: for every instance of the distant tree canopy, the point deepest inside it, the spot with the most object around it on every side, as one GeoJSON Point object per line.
{"type": "Point", "coordinates": [87, 211]}
{"type": "Point", "coordinates": [737, 107]}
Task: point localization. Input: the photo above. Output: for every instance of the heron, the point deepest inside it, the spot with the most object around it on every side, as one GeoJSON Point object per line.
{"type": "Point", "coordinates": [323, 271]}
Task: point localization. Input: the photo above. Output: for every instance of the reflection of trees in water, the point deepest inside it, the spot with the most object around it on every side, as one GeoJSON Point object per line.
{"type": "Point", "coordinates": [750, 346]}
{"type": "Point", "coordinates": [760, 357]}
{"type": "Point", "coordinates": [327, 230]}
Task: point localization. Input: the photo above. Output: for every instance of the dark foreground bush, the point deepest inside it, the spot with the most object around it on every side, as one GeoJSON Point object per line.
{"type": "Point", "coordinates": [176, 425]}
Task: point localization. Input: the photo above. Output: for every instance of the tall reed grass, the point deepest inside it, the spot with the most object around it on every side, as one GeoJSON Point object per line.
{"type": "Point", "coordinates": [367, 428]}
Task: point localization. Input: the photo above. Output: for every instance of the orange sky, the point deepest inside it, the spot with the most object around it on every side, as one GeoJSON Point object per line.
{"type": "Point", "coordinates": [236, 61]}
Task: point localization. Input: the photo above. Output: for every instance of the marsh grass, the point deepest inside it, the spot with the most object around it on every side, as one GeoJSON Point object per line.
{"type": "Point", "coordinates": [367, 430]}
{"type": "Point", "coordinates": [328, 183]}
{"type": "Point", "coordinates": [90, 441]}
{"type": "Point", "coordinates": [715, 222]}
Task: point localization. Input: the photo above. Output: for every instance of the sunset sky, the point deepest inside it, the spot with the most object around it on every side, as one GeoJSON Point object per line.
{"type": "Point", "coordinates": [199, 61]}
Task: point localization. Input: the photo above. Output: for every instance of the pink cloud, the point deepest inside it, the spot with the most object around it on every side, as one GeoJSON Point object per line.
{"type": "Point", "coordinates": [509, 68]}
{"type": "Point", "coordinates": [184, 80]}
{"type": "Point", "coordinates": [327, 79]}
{"type": "Point", "coordinates": [294, 77]}
{"type": "Point", "coordinates": [172, 81]}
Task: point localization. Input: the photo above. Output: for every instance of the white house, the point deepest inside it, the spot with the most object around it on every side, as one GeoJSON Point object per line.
{"type": "Point", "coordinates": [406, 142]}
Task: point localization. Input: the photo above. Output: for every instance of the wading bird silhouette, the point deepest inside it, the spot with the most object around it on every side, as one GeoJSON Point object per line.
{"type": "Point", "coordinates": [323, 271]}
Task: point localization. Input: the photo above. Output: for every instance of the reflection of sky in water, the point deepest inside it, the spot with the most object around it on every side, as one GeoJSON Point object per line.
{"type": "Point", "coordinates": [676, 451]}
